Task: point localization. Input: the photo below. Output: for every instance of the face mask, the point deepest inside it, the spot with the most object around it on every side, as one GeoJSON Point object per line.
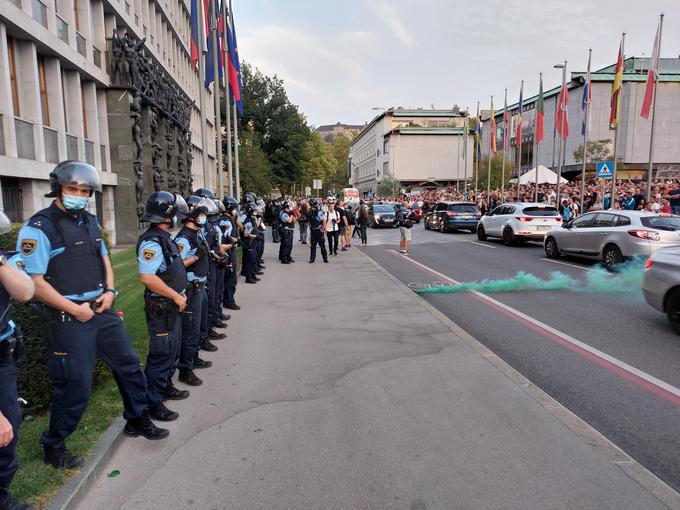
{"type": "Point", "coordinates": [201, 220]}
{"type": "Point", "coordinates": [234, 212]}
{"type": "Point", "coordinates": [74, 203]}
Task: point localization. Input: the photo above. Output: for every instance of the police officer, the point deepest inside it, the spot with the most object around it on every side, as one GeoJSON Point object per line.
{"type": "Point", "coordinates": [287, 231]}
{"type": "Point", "coordinates": [317, 228]}
{"type": "Point", "coordinates": [196, 256]}
{"type": "Point", "coordinates": [259, 243]}
{"type": "Point", "coordinates": [230, 229]}
{"type": "Point", "coordinates": [222, 263]}
{"type": "Point", "coordinates": [63, 251]}
{"type": "Point", "coordinates": [249, 236]}
{"type": "Point", "coordinates": [16, 283]}
{"type": "Point", "coordinates": [162, 272]}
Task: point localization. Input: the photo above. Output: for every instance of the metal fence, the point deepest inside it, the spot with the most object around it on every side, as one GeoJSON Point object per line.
{"type": "Point", "coordinates": [51, 145]}
{"type": "Point", "coordinates": [71, 147]}
{"type": "Point", "coordinates": [25, 142]}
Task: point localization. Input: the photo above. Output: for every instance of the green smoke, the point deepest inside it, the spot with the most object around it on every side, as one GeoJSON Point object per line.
{"type": "Point", "coordinates": [625, 281]}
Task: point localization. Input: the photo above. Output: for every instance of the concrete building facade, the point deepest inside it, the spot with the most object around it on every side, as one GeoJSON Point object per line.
{"type": "Point", "coordinates": [634, 131]}
{"type": "Point", "coordinates": [419, 148]}
{"type": "Point", "coordinates": [54, 75]}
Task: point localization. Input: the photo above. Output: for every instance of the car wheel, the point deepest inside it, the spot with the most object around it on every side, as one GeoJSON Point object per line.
{"type": "Point", "coordinates": [551, 249]}
{"type": "Point", "coordinates": [612, 257]}
{"type": "Point", "coordinates": [673, 310]}
{"type": "Point", "coordinates": [425, 224]}
{"type": "Point", "coordinates": [481, 233]}
{"type": "Point", "coordinates": [508, 236]}
{"type": "Point", "coordinates": [442, 227]}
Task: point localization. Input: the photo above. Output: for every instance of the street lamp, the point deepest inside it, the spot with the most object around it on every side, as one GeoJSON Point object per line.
{"type": "Point", "coordinates": [563, 141]}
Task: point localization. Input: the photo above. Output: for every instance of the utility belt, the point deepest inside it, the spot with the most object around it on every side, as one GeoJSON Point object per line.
{"type": "Point", "coordinates": [194, 287]}
{"type": "Point", "coordinates": [12, 347]}
{"type": "Point", "coordinates": [161, 308]}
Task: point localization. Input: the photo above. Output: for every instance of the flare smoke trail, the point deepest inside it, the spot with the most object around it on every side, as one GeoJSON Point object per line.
{"type": "Point", "coordinates": [625, 281]}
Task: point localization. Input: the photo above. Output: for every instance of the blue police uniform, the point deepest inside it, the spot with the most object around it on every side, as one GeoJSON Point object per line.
{"type": "Point", "coordinates": [315, 219]}
{"type": "Point", "coordinates": [213, 237]}
{"type": "Point", "coordinates": [195, 321]}
{"type": "Point", "coordinates": [249, 265]}
{"type": "Point", "coordinates": [287, 229]}
{"type": "Point", "coordinates": [230, 279]}
{"type": "Point", "coordinates": [259, 245]}
{"type": "Point", "coordinates": [67, 248]}
{"type": "Point", "coordinates": [157, 254]}
{"type": "Point", "coordinates": [220, 270]}
{"type": "Point", "coordinates": [9, 399]}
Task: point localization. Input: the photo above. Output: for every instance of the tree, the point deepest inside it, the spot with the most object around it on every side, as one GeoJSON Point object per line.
{"type": "Point", "coordinates": [340, 151]}
{"type": "Point", "coordinates": [319, 162]}
{"type": "Point", "coordinates": [496, 167]}
{"type": "Point", "coordinates": [388, 186]}
{"type": "Point", "coordinates": [255, 167]}
{"type": "Point", "coordinates": [598, 150]}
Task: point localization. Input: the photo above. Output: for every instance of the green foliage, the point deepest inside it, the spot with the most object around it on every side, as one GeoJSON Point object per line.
{"type": "Point", "coordinates": [319, 163]}
{"type": "Point", "coordinates": [598, 150]}
{"type": "Point", "coordinates": [496, 172]}
{"type": "Point", "coordinates": [340, 150]}
{"type": "Point", "coordinates": [256, 173]}
{"type": "Point", "coordinates": [388, 186]}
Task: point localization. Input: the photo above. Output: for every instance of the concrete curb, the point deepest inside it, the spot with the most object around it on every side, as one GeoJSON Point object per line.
{"type": "Point", "coordinates": [636, 471]}
{"type": "Point", "coordinates": [70, 495]}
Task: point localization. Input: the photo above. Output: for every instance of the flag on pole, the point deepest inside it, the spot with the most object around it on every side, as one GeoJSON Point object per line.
{"type": "Point", "coordinates": [539, 112]}
{"type": "Point", "coordinates": [234, 66]}
{"type": "Point", "coordinates": [586, 99]}
{"type": "Point", "coordinates": [213, 12]}
{"type": "Point", "coordinates": [506, 127]}
{"type": "Point", "coordinates": [615, 107]}
{"type": "Point", "coordinates": [478, 136]}
{"type": "Point", "coordinates": [562, 119]}
{"type": "Point", "coordinates": [492, 134]}
{"type": "Point", "coordinates": [652, 75]}
{"type": "Point", "coordinates": [518, 127]}
{"type": "Point", "coordinates": [195, 52]}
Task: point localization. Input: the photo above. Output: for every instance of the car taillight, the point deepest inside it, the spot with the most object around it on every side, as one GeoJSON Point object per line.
{"type": "Point", "coordinates": [524, 219]}
{"type": "Point", "coordinates": [558, 219]}
{"type": "Point", "coordinates": [649, 263]}
{"type": "Point", "coordinates": [451, 213]}
{"type": "Point", "coordinates": [650, 235]}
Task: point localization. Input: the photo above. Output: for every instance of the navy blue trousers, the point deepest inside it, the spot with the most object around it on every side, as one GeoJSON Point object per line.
{"type": "Point", "coordinates": [164, 343]}
{"type": "Point", "coordinates": [213, 303]}
{"type": "Point", "coordinates": [230, 281]}
{"type": "Point", "coordinates": [71, 353]}
{"type": "Point", "coordinates": [249, 265]}
{"type": "Point", "coordinates": [197, 308]}
{"type": "Point", "coordinates": [10, 408]}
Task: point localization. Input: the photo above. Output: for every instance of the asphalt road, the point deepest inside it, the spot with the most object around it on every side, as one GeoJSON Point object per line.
{"type": "Point", "coordinates": [608, 357]}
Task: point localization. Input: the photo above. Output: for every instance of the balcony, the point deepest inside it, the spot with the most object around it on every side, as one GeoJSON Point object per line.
{"type": "Point", "coordinates": [81, 45]}
{"type": "Point", "coordinates": [97, 57]}
{"type": "Point", "coordinates": [51, 145]}
{"type": "Point", "coordinates": [62, 29]}
{"type": "Point", "coordinates": [25, 142]}
{"type": "Point", "coordinates": [71, 147]}
{"type": "Point", "coordinates": [39, 12]}
{"type": "Point", "coordinates": [89, 152]}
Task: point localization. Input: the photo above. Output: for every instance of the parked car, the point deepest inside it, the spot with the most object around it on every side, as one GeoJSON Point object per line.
{"type": "Point", "coordinates": [519, 221]}
{"type": "Point", "coordinates": [661, 283]}
{"type": "Point", "coordinates": [447, 216]}
{"type": "Point", "coordinates": [613, 236]}
{"type": "Point", "coordinates": [382, 214]}
{"type": "Point", "coordinates": [417, 212]}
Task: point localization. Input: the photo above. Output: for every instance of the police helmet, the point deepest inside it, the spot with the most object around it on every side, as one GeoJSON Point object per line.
{"type": "Point", "coordinates": [285, 205]}
{"type": "Point", "coordinates": [5, 223]}
{"type": "Point", "coordinates": [72, 172]}
{"type": "Point", "coordinates": [220, 206]}
{"type": "Point", "coordinates": [164, 205]}
{"type": "Point", "coordinates": [205, 193]}
{"type": "Point", "coordinates": [197, 206]}
{"type": "Point", "coordinates": [313, 202]}
{"type": "Point", "coordinates": [229, 202]}
{"type": "Point", "coordinates": [250, 208]}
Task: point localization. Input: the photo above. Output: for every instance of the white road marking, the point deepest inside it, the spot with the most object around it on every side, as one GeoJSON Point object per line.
{"type": "Point", "coordinates": [571, 265]}
{"type": "Point", "coordinates": [483, 245]}
{"type": "Point", "coordinates": [601, 357]}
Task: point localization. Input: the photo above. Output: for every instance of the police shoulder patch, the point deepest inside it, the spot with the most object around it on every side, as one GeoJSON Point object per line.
{"type": "Point", "coordinates": [149, 254]}
{"type": "Point", "coordinates": [28, 246]}
{"type": "Point", "coordinates": [180, 246]}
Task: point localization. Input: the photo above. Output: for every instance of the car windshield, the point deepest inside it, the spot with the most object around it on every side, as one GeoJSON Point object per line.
{"type": "Point", "coordinates": [383, 209]}
{"type": "Point", "coordinates": [671, 223]}
{"type": "Point", "coordinates": [540, 211]}
{"type": "Point", "coordinates": [464, 208]}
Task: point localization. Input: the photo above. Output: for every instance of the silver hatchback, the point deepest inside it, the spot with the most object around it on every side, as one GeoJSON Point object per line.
{"type": "Point", "coordinates": [661, 284]}
{"type": "Point", "coordinates": [613, 236]}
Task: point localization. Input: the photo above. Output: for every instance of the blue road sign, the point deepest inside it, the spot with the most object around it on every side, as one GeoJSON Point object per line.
{"type": "Point", "coordinates": [605, 170]}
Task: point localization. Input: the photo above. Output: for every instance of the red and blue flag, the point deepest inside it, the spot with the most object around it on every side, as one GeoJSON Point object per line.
{"type": "Point", "coordinates": [233, 64]}
{"type": "Point", "coordinates": [195, 52]}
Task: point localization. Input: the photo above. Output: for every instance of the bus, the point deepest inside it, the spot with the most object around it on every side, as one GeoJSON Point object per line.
{"type": "Point", "coordinates": [351, 196]}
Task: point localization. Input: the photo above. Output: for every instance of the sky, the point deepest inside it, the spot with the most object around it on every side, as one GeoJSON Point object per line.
{"type": "Point", "coordinates": [341, 59]}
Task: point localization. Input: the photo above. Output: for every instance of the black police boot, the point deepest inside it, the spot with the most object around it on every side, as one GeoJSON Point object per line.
{"type": "Point", "coordinates": [174, 393]}
{"type": "Point", "coordinates": [232, 307]}
{"type": "Point", "coordinates": [143, 426]}
{"type": "Point", "coordinates": [225, 316]}
{"type": "Point", "coordinates": [187, 376]}
{"type": "Point", "coordinates": [214, 335]}
{"type": "Point", "coordinates": [162, 413]}
{"type": "Point", "coordinates": [7, 502]}
{"type": "Point", "coordinates": [208, 346]}
{"type": "Point", "coordinates": [251, 280]}
{"type": "Point", "coordinates": [60, 458]}
{"type": "Point", "coordinates": [259, 273]}
{"type": "Point", "coordinates": [201, 363]}
{"type": "Point", "coordinates": [262, 266]}
{"type": "Point", "coordinates": [220, 324]}
{"type": "Point", "coordinates": [290, 259]}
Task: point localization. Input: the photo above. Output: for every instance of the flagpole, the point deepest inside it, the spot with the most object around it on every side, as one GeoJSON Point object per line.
{"type": "Point", "coordinates": [488, 175]}
{"type": "Point", "coordinates": [518, 133]}
{"type": "Point", "coordinates": [536, 158]}
{"type": "Point", "coordinates": [458, 165]}
{"type": "Point", "coordinates": [465, 148]}
{"type": "Point", "coordinates": [585, 135]}
{"type": "Point", "coordinates": [479, 124]}
{"type": "Point", "coordinates": [227, 101]}
{"type": "Point", "coordinates": [650, 173]}
{"type": "Point", "coordinates": [616, 128]}
{"type": "Point", "coordinates": [237, 175]}
{"type": "Point", "coordinates": [201, 95]}
{"type": "Point", "coordinates": [563, 140]}
{"type": "Point", "coordinates": [506, 117]}
{"type": "Point", "coordinates": [216, 93]}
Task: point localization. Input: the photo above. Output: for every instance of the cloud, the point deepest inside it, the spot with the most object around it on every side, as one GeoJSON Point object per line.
{"type": "Point", "coordinates": [392, 21]}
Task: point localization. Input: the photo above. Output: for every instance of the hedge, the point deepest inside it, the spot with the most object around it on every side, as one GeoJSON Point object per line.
{"type": "Point", "coordinates": [34, 385]}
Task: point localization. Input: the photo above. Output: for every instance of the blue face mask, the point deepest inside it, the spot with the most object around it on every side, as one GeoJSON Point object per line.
{"type": "Point", "coordinates": [74, 203]}
{"type": "Point", "coordinates": [201, 220]}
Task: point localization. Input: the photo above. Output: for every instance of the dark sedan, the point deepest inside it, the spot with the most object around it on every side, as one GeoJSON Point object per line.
{"type": "Point", "coordinates": [447, 216]}
{"type": "Point", "coordinates": [382, 215]}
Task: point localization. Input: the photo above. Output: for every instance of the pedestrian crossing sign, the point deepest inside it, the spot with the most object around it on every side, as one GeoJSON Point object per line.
{"type": "Point", "coordinates": [605, 169]}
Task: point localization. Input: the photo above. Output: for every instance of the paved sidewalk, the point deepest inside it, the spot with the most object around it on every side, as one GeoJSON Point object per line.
{"type": "Point", "coordinates": [337, 389]}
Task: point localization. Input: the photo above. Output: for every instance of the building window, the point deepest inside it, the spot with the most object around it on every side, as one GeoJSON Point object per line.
{"type": "Point", "coordinates": [84, 111]}
{"type": "Point", "coordinates": [386, 142]}
{"type": "Point", "coordinates": [42, 80]}
{"type": "Point", "coordinates": [386, 169]}
{"type": "Point", "coordinates": [63, 101]}
{"type": "Point", "coordinates": [13, 77]}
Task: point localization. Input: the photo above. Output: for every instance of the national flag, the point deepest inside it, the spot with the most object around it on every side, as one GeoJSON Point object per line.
{"type": "Point", "coordinates": [586, 99]}
{"type": "Point", "coordinates": [195, 52]}
{"type": "Point", "coordinates": [478, 135]}
{"type": "Point", "coordinates": [213, 12]}
{"type": "Point", "coordinates": [234, 66]}
{"type": "Point", "coordinates": [615, 106]}
{"type": "Point", "coordinates": [492, 134]}
{"type": "Point", "coordinates": [562, 120]}
{"type": "Point", "coordinates": [539, 112]}
{"type": "Point", "coordinates": [518, 127]}
{"type": "Point", "coordinates": [652, 75]}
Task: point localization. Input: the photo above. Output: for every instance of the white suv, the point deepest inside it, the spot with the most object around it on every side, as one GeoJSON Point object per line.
{"type": "Point", "coordinates": [514, 222]}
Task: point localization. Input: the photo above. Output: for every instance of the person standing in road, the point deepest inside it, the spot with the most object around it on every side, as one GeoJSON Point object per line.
{"type": "Point", "coordinates": [362, 222]}
{"type": "Point", "coordinates": [249, 236]}
{"type": "Point", "coordinates": [63, 251]}
{"type": "Point", "coordinates": [14, 283]}
{"type": "Point", "coordinates": [303, 223]}
{"type": "Point", "coordinates": [317, 229]}
{"type": "Point", "coordinates": [343, 225]}
{"type": "Point", "coordinates": [332, 229]}
{"type": "Point", "coordinates": [405, 222]}
{"type": "Point", "coordinates": [287, 231]}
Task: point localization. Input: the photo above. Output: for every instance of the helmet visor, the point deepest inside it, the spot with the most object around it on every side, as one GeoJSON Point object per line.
{"type": "Point", "coordinates": [76, 173]}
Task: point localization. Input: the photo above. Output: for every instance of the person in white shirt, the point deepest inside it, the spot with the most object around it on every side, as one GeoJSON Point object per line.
{"type": "Point", "coordinates": [332, 229]}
